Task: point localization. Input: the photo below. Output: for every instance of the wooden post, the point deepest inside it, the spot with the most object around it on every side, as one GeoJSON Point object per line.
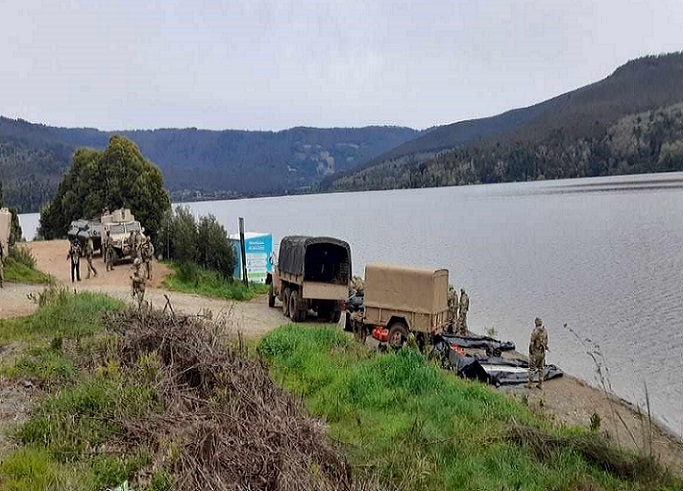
{"type": "Point", "coordinates": [244, 254]}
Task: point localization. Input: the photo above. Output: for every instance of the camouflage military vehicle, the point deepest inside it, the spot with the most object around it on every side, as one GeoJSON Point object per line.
{"type": "Point", "coordinates": [120, 223]}
{"type": "Point", "coordinates": [311, 273]}
{"type": "Point", "coordinates": [82, 230]}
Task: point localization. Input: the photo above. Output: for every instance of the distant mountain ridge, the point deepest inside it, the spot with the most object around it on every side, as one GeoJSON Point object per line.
{"type": "Point", "coordinates": [196, 164]}
{"type": "Point", "coordinates": [464, 152]}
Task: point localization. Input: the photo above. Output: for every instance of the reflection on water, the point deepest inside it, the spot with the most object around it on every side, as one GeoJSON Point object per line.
{"type": "Point", "coordinates": [603, 255]}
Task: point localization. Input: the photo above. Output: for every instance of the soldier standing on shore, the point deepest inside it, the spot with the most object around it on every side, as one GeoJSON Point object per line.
{"type": "Point", "coordinates": [89, 251]}
{"type": "Point", "coordinates": [538, 345]}
{"type": "Point", "coordinates": [75, 256]}
{"type": "Point", "coordinates": [452, 307]}
{"type": "Point", "coordinates": [463, 308]}
{"type": "Point", "coordinates": [357, 284]}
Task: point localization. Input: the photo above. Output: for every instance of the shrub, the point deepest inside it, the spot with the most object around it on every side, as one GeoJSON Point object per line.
{"type": "Point", "coordinates": [214, 248]}
{"type": "Point", "coordinates": [23, 255]}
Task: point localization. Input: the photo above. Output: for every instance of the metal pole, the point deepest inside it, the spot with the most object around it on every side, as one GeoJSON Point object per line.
{"type": "Point", "coordinates": [244, 254]}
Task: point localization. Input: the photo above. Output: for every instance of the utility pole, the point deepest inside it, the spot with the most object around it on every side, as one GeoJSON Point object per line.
{"type": "Point", "coordinates": [244, 254]}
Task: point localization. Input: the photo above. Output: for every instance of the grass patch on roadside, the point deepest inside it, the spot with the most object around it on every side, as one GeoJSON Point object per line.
{"type": "Point", "coordinates": [60, 314]}
{"type": "Point", "coordinates": [190, 278]}
{"type": "Point", "coordinates": [16, 272]}
{"type": "Point", "coordinates": [411, 425]}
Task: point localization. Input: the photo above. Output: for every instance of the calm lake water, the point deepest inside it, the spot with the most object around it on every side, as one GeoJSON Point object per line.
{"type": "Point", "coordinates": [603, 255]}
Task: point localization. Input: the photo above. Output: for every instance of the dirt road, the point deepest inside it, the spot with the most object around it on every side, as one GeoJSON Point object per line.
{"type": "Point", "coordinates": [252, 318]}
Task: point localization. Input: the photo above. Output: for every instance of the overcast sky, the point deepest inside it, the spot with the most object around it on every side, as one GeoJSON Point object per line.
{"type": "Point", "coordinates": [272, 65]}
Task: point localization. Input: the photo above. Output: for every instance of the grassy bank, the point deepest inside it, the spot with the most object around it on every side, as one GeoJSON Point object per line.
{"type": "Point", "coordinates": [158, 400]}
{"type": "Point", "coordinates": [190, 278]}
{"type": "Point", "coordinates": [409, 425]}
{"type": "Point", "coordinates": [69, 440]}
{"type": "Point", "coordinates": [20, 267]}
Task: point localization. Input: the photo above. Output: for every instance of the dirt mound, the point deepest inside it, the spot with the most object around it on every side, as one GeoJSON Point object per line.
{"type": "Point", "coordinates": [225, 424]}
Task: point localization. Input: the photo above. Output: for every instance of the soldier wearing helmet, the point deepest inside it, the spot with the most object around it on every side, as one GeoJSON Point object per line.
{"type": "Point", "coordinates": [138, 281]}
{"type": "Point", "coordinates": [538, 345]}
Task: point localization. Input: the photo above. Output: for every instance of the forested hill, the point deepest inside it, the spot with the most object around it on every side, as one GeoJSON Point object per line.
{"type": "Point", "coordinates": [196, 164]}
{"type": "Point", "coordinates": [629, 122]}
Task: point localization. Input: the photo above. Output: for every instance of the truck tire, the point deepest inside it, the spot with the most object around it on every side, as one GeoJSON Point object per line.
{"type": "Point", "coordinates": [285, 301]}
{"type": "Point", "coordinates": [271, 296]}
{"type": "Point", "coordinates": [296, 313]}
{"type": "Point", "coordinates": [398, 335]}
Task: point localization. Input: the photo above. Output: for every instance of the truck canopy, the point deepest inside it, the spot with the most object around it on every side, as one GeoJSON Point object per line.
{"type": "Point", "coordinates": [402, 288]}
{"type": "Point", "coordinates": [321, 259]}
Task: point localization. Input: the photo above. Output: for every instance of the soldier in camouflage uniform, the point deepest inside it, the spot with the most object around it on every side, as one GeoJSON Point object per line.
{"type": "Point", "coordinates": [357, 284]}
{"type": "Point", "coordinates": [138, 282]}
{"type": "Point", "coordinates": [452, 307]}
{"type": "Point", "coordinates": [148, 256]}
{"type": "Point", "coordinates": [131, 242]}
{"type": "Point", "coordinates": [89, 251]}
{"type": "Point", "coordinates": [463, 308]}
{"type": "Point", "coordinates": [538, 345]}
{"type": "Point", "coordinates": [109, 252]}
{"type": "Point", "coordinates": [2, 266]}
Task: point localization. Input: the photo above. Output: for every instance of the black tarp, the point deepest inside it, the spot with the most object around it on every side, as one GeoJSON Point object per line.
{"type": "Point", "coordinates": [489, 369]}
{"type": "Point", "coordinates": [292, 253]}
{"type": "Point", "coordinates": [479, 342]}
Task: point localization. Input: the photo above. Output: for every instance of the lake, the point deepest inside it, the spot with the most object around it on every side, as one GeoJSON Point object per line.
{"type": "Point", "coordinates": [603, 255]}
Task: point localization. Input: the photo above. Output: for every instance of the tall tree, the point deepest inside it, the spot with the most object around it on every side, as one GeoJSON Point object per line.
{"type": "Point", "coordinates": [118, 177]}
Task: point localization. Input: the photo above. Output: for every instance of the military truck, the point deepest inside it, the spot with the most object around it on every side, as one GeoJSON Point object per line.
{"type": "Point", "coordinates": [311, 273]}
{"type": "Point", "coordinates": [120, 223]}
{"type": "Point", "coordinates": [399, 300]}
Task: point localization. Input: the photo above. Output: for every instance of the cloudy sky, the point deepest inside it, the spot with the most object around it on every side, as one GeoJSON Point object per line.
{"type": "Point", "coordinates": [276, 64]}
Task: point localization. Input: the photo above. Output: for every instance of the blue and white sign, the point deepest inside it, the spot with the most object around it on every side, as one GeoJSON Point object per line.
{"type": "Point", "coordinates": [258, 247]}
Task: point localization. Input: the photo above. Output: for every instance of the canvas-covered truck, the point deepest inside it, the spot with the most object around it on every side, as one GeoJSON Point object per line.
{"type": "Point", "coordinates": [399, 300]}
{"type": "Point", "coordinates": [311, 273]}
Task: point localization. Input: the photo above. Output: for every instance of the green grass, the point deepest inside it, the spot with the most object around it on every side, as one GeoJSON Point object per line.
{"type": "Point", "coordinates": [16, 272]}
{"type": "Point", "coordinates": [61, 314]}
{"type": "Point", "coordinates": [414, 426]}
{"type": "Point", "coordinates": [63, 445]}
{"type": "Point", "coordinates": [193, 279]}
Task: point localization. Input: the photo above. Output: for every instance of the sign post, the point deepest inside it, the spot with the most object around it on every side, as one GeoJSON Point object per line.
{"type": "Point", "coordinates": [244, 254]}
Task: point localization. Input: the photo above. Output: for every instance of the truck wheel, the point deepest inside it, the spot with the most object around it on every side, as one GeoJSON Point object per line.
{"type": "Point", "coordinates": [285, 302]}
{"type": "Point", "coordinates": [295, 311]}
{"type": "Point", "coordinates": [271, 296]}
{"type": "Point", "coordinates": [398, 334]}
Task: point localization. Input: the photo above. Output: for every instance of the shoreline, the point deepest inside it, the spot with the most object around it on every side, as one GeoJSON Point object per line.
{"type": "Point", "coordinates": [567, 400]}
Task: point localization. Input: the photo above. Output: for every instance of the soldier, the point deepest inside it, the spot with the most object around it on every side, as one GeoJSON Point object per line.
{"type": "Point", "coordinates": [452, 307]}
{"type": "Point", "coordinates": [463, 308]}
{"type": "Point", "coordinates": [138, 241]}
{"type": "Point", "coordinates": [75, 256]}
{"type": "Point", "coordinates": [89, 251]}
{"type": "Point", "coordinates": [148, 256]}
{"type": "Point", "coordinates": [2, 273]}
{"type": "Point", "coordinates": [131, 241]}
{"type": "Point", "coordinates": [109, 253]}
{"type": "Point", "coordinates": [357, 284]}
{"type": "Point", "coordinates": [138, 282]}
{"type": "Point", "coordinates": [538, 345]}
